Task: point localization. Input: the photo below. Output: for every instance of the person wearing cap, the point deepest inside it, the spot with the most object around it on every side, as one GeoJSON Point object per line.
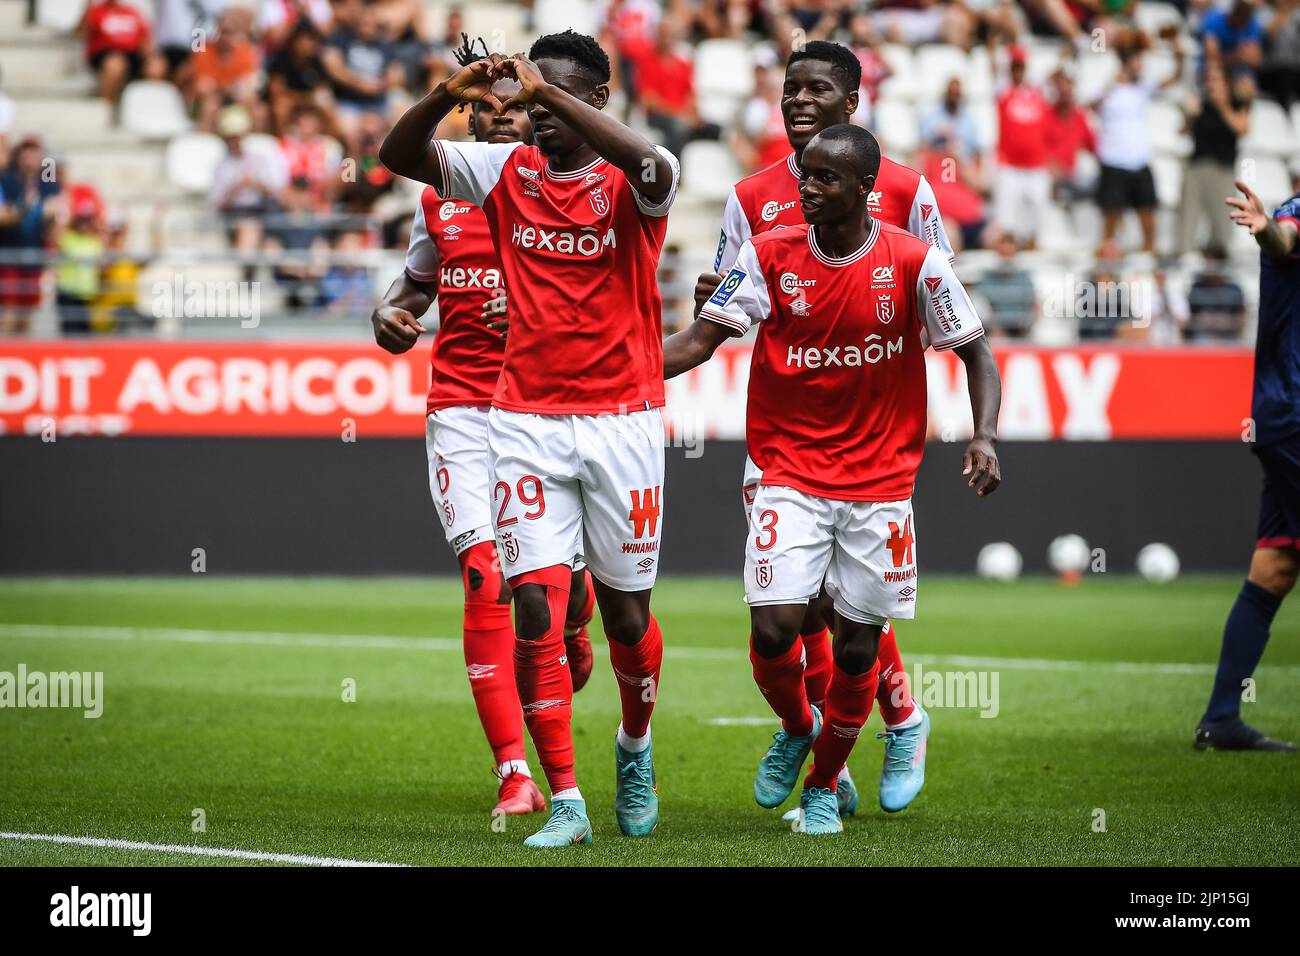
{"type": "Point", "coordinates": [245, 188]}
{"type": "Point", "coordinates": [77, 270]}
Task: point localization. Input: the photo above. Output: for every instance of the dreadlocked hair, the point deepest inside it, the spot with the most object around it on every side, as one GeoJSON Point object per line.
{"type": "Point", "coordinates": [465, 54]}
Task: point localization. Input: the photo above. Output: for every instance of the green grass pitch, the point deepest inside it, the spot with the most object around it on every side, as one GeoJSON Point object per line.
{"type": "Point", "coordinates": [227, 695]}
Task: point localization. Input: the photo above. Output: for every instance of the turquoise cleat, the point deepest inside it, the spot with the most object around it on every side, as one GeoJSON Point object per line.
{"type": "Point", "coordinates": [567, 826]}
{"type": "Point", "coordinates": [778, 771]}
{"type": "Point", "coordinates": [636, 801]}
{"type": "Point", "coordinates": [819, 815]}
{"type": "Point", "coordinates": [903, 775]}
{"type": "Point", "coordinates": [846, 796]}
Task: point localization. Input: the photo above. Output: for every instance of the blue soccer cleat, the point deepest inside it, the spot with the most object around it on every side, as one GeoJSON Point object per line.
{"type": "Point", "coordinates": [819, 813]}
{"type": "Point", "coordinates": [846, 795]}
{"type": "Point", "coordinates": [778, 771]}
{"type": "Point", "coordinates": [636, 800]}
{"type": "Point", "coordinates": [568, 826]}
{"type": "Point", "coordinates": [903, 774]}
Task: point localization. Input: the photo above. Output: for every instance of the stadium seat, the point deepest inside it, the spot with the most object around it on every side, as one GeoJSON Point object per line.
{"type": "Point", "coordinates": [1043, 59]}
{"type": "Point", "coordinates": [153, 109]}
{"type": "Point", "coordinates": [556, 16]}
{"type": "Point", "coordinates": [979, 81]}
{"type": "Point", "coordinates": [709, 170]}
{"type": "Point", "coordinates": [902, 82]}
{"type": "Point", "coordinates": [723, 68]}
{"type": "Point", "coordinates": [1272, 181]}
{"type": "Point", "coordinates": [1095, 73]}
{"type": "Point", "coordinates": [191, 160]}
{"type": "Point", "coordinates": [1270, 130]}
{"type": "Point", "coordinates": [985, 114]}
{"type": "Point", "coordinates": [1168, 174]}
{"type": "Point", "coordinates": [61, 16]}
{"type": "Point", "coordinates": [1151, 16]}
{"type": "Point", "coordinates": [1158, 65]}
{"type": "Point", "coordinates": [936, 64]}
{"type": "Point", "coordinates": [1166, 124]}
{"type": "Point", "coordinates": [896, 126]}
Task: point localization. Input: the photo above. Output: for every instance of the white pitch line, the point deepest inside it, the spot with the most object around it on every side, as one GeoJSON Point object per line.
{"type": "Point", "coordinates": [109, 844]}
{"type": "Point", "coordinates": [397, 642]}
{"type": "Point", "coordinates": [742, 721]}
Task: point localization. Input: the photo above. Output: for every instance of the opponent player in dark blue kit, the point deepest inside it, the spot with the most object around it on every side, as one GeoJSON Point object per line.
{"type": "Point", "coordinates": [1275, 410]}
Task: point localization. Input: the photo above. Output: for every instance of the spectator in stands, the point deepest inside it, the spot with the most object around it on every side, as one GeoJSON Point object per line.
{"type": "Point", "coordinates": [722, 19]}
{"type": "Point", "coordinates": [913, 22]}
{"type": "Point", "coordinates": [1279, 73]}
{"type": "Point", "coordinates": [1022, 186]}
{"type": "Point", "coordinates": [868, 47]}
{"type": "Point", "coordinates": [1218, 118]}
{"type": "Point", "coordinates": [245, 188]}
{"type": "Point", "coordinates": [1065, 18]}
{"type": "Point", "coordinates": [760, 138]}
{"type": "Point", "coordinates": [119, 45]}
{"type": "Point", "coordinates": [346, 286]}
{"type": "Point", "coordinates": [296, 241]}
{"type": "Point", "coordinates": [1102, 303]}
{"type": "Point", "coordinates": [1008, 291]}
{"type": "Point", "coordinates": [180, 26]}
{"type": "Point", "coordinates": [958, 186]}
{"type": "Point", "coordinates": [311, 156]}
{"type": "Point", "coordinates": [296, 78]}
{"type": "Point", "coordinates": [952, 121]}
{"type": "Point", "coordinates": [224, 70]}
{"type": "Point", "coordinates": [1124, 147]}
{"type": "Point", "coordinates": [362, 65]}
{"type": "Point", "coordinates": [80, 248]}
{"type": "Point", "coordinates": [31, 200]}
{"type": "Point", "coordinates": [1234, 35]}
{"type": "Point", "coordinates": [627, 30]}
{"type": "Point", "coordinates": [115, 307]}
{"type": "Point", "coordinates": [278, 19]}
{"type": "Point", "coordinates": [1069, 133]}
{"type": "Point", "coordinates": [1216, 306]}
{"type": "Point", "coordinates": [666, 90]}
{"type": "Point", "coordinates": [365, 178]}
{"type": "Point", "coordinates": [404, 24]}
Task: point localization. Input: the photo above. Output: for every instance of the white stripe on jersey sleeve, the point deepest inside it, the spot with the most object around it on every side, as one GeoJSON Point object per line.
{"type": "Point", "coordinates": [661, 209]}
{"type": "Point", "coordinates": [742, 299]}
{"type": "Point", "coordinates": [421, 254]}
{"type": "Point", "coordinates": [735, 230]}
{"type": "Point", "coordinates": [949, 315]}
{"type": "Point", "coordinates": [470, 170]}
{"type": "Point", "coordinates": [916, 220]}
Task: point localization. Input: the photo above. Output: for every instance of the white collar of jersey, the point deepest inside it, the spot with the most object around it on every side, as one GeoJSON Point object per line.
{"type": "Point", "coordinates": [854, 256]}
{"type": "Point", "coordinates": [573, 174]}
{"type": "Point", "coordinates": [793, 164]}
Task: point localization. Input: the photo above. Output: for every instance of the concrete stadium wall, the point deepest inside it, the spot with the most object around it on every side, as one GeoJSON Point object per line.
{"type": "Point", "coordinates": [312, 506]}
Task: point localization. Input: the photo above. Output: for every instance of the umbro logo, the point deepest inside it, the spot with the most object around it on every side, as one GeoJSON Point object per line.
{"type": "Point", "coordinates": [537, 705]}
{"type": "Point", "coordinates": [452, 231]}
{"type": "Point", "coordinates": [477, 671]}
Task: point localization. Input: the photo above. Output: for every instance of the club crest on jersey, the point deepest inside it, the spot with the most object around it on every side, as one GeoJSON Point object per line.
{"type": "Point", "coordinates": [763, 573]}
{"type": "Point", "coordinates": [723, 293]}
{"type": "Point", "coordinates": [449, 209]}
{"type": "Point", "coordinates": [885, 310]}
{"type": "Point", "coordinates": [772, 208]}
{"type": "Point", "coordinates": [599, 200]}
{"type": "Point", "coordinates": [510, 547]}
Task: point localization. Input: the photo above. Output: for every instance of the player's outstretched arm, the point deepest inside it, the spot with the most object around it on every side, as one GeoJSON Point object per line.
{"type": "Point", "coordinates": [692, 346]}
{"type": "Point", "coordinates": [646, 168]}
{"type": "Point", "coordinates": [396, 319]}
{"type": "Point", "coordinates": [1276, 237]}
{"type": "Point", "coordinates": [408, 148]}
{"type": "Point", "coordinates": [980, 463]}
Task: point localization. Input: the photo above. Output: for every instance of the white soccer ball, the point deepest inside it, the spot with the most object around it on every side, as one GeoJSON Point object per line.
{"type": "Point", "coordinates": [1068, 553]}
{"type": "Point", "coordinates": [1157, 562]}
{"type": "Point", "coordinates": [999, 561]}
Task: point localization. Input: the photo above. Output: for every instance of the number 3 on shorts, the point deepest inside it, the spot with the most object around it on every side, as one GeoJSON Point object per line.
{"type": "Point", "coordinates": [766, 537]}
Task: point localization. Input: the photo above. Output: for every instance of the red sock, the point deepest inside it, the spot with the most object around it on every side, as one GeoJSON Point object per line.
{"type": "Point", "coordinates": [545, 685]}
{"type": "Point", "coordinates": [818, 664]}
{"type": "Point", "coordinates": [893, 692]}
{"type": "Point", "coordinates": [781, 681]}
{"type": "Point", "coordinates": [848, 703]}
{"type": "Point", "coordinates": [489, 653]}
{"type": "Point", "coordinates": [637, 668]}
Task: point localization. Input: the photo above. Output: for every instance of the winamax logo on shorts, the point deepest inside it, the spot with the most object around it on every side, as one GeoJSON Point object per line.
{"type": "Point", "coordinates": [75, 908]}
{"type": "Point", "coordinates": [77, 690]}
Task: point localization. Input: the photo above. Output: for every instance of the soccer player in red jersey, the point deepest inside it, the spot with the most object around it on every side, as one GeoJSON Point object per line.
{"type": "Point", "coordinates": [451, 259]}
{"type": "Point", "coordinates": [841, 303]}
{"type": "Point", "coordinates": [820, 91]}
{"type": "Point", "coordinates": [575, 434]}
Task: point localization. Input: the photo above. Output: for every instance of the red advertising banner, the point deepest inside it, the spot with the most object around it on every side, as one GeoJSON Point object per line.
{"type": "Point", "coordinates": [330, 388]}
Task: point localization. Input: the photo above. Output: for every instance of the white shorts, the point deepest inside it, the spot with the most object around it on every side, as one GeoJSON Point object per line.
{"type": "Point", "coordinates": [456, 441]}
{"type": "Point", "coordinates": [865, 550]}
{"type": "Point", "coordinates": [574, 488]}
{"type": "Point", "coordinates": [1020, 200]}
{"type": "Point", "coordinates": [749, 484]}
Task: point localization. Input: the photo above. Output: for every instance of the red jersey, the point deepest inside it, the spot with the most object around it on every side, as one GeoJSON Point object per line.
{"type": "Point", "coordinates": [580, 253]}
{"type": "Point", "coordinates": [844, 335]}
{"type": "Point", "coordinates": [451, 246]}
{"type": "Point", "coordinates": [902, 197]}
{"type": "Point", "coordinates": [115, 26]}
{"type": "Point", "coordinates": [1022, 127]}
{"type": "Point", "coordinates": [1067, 136]}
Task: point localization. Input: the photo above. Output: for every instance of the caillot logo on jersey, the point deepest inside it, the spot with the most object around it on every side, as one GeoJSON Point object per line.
{"type": "Point", "coordinates": [449, 209]}
{"type": "Point", "coordinates": [941, 299]}
{"type": "Point", "coordinates": [772, 209]}
{"type": "Point", "coordinates": [791, 284]}
{"type": "Point", "coordinates": [876, 349]}
{"type": "Point", "coordinates": [586, 242]}
{"type": "Point", "coordinates": [723, 293]}
{"type": "Point", "coordinates": [463, 277]}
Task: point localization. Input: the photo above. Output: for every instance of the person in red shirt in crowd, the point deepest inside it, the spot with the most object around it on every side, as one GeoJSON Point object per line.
{"type": "Point", "coordinates": [119, 45]}
{"type": "Point", "coordinates": [226, 69]}
{"type": "Point", "coordinates": [957, 184]}
{"type": "Point", "coordinates": [311, 155]}
{"type": "Point", "coordinates": [1069, 132]}
{"type": "Point", "coordinates": [1022, 186]}
{"type": "Point", "coordinates": [665, 82]}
